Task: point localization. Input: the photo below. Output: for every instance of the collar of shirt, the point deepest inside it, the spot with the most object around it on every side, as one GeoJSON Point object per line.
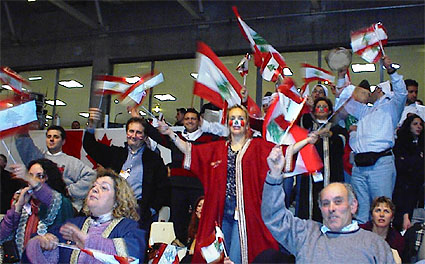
{"type": "Point", "coordinates": [192, 136]}
{"type": "Point", "coordinates": [354, 226]}
{"type": "Point", "coordinates": [137, 151]}
{"type": "Point", "coordinates": [56, 154]}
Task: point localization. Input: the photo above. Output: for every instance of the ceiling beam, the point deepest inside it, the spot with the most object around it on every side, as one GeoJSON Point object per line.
{"type": "Point", "coordinates": [99, 12]}
{"type": "Point", "coordinates": [188, 8]}
{"type": "Point", "coordinates": [9, 20]}
{"type": "Point", "coordinates": [75, 13]}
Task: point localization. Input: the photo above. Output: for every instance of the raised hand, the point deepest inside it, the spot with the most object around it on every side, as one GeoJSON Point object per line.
{"type": "Point", "coordinates": [276, 161]}
{"type": "Point", "coordinates": [244, 94]}
{"type": "Point", "coordinates": [94, 116]}
{"type": "Point", "coordinates": [24, 198]}
{"type": "Point", "coordinates": [164, 129]}
{"type": "Point", "coordinates": [19, 171]}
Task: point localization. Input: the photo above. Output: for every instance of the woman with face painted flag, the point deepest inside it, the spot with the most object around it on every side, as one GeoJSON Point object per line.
{"type": "Point", "coordinates": [232, 172]}
{"type": "Point", "coordinates": [330, 147]}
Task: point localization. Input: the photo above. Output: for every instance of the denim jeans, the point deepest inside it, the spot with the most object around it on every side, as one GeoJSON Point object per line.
{"type": "Point", "coordinates": [230, 230]}
{"type": "Point", "coordinates": [371, 182]}
{"type": "Point", "coordinates": [288, 183]}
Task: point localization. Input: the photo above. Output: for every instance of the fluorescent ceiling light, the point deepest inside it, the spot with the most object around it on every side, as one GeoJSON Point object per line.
{"type": "Point", "coordinates": [133, 79]}
{"type": "Point", "coordinates": [142, 113]}
{"type": "Point", "coordinates": [164, 97]}
{"type": "Point", "coordinates": [364, 67]}
{"type": "Point", "coordinates": [58, 102]}
{"type": "Point", "coordinates": [287, 72]}
{"type": "Point", "coordinates": [194, 75]}
{"type": "Point", "coordinates": [7, 87]}
{"type": "Point", "coordinates": [49, 117]}
{"type": "Point", "coordinates": [71, 84]}
{"type": "Point", "coordinates": [84, 114]}
{"type": "Point", "coordinates": [35, 78]}
{"type": "Point", "coordinates": [31, 0]}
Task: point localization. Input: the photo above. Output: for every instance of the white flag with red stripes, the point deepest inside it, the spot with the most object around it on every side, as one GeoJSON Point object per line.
{"type": "Point", "coordinates": [260, 47]}
{"type": "Point", "coordinates": [368, 42]}
{"type": "Point", "coordinates": [11, 78]}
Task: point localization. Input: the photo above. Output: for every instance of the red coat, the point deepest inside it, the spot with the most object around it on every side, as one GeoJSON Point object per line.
{"type": "Point", "coordinates": [209, 162]}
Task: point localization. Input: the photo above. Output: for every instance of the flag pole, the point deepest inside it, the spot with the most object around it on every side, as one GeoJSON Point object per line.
{"type": "Point", "coordinates": [8, 151]}
{"type": "Point", "coordinates": [147, 111]}
{"type": "Point", "coordinates": [379, 41]}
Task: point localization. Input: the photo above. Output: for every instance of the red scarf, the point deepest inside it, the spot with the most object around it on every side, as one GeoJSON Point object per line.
{"type": "Point", "coordinates": [32, 222]}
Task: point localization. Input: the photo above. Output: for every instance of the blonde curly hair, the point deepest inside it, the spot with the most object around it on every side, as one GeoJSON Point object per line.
{"type": "Point", "coordinates": [126, 203]}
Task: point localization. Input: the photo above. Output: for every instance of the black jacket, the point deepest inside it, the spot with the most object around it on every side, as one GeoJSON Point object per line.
{"type": "Point", "coordinates": [156, 187]}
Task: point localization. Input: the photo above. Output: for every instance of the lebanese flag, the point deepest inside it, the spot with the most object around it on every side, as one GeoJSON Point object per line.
{"type": "Point", "coordinates": [308, 160]}
{"type": "Point", "coordinates": [289, 89]}
{"type": "Point", "coordinates": [258, 44]}
{"type": "Point", "coordinates": [242, 67]}
{"type": "Point", "coordinates": [139, 92]}
{"type": "Point", "coordinates": [313, 73]}
{"type": "Point", "coordinates": [371, 54]}
{"type": "Point", "coordinates": [282, 114]}
{"type": "Point", "coordinates": [107, 84]}
{"type": "Point", "coordinates": [13, 120]}
{"type": "Point", "coordinates": [366, 42]}
{"type": "Point", "coordinates": [216, 84]}
{"type": "Point", "coordinates": [108, 258]}
{"type": "Point", "coordinates": [167, 254]}
{"type": "Point", "coordinates": [279, 128]}
{"type": "Point", "coordinates": [144, 78]}
{"type": "Point", "coordinates": [271, 68]}
{"type": "Point", "coordinates": [213, 247]}
{"type": "Point", "coordinates": [11, 78]}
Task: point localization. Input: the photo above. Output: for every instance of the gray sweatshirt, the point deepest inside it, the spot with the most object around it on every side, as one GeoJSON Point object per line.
{"type": "Point", "coordinates": [305, 240]}
{"type": "Point", "coordinates": [77, 176]}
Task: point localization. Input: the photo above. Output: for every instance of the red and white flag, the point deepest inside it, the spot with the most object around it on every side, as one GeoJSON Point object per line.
{"type": "Point", "coordinates": [139, 92]}
{"type": "Point", "coordinates": [216, 84]}
{"type": "Point", "coordinates": [308, 160]}
{"type": "Point", "coordinates": [271, 67]}
{"type": "Point", "coordinates": [213, 250]}
{"type": "Point", "coordinates": [289, 89]}
{"type": "Point", "coordinates": [281, 115]}
{"type": "Point", "coordinates": [368, 42]}
{"type": "Point", "coordinates": [279, 128]}
{"type": "Point", "coordinates": [108, 258]}
{"type": "Point", "coordinates": [166, 254]}
{"type": "Point", "coordinates": [242, 67]}
{"type": "Point", "coordinates": [259, 45]}
{"type": "Point", "coordinates": [107, 84]}
{"type": "Point", "coordinates": [11, 78]}
{"type": "Point", "coordinates": [14, 119]}
{"type": "Point", "coordinates": [313, 73]}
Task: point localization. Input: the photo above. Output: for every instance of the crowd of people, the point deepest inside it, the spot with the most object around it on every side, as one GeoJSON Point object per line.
{"type": "Point", "coordinates": [229, 176]}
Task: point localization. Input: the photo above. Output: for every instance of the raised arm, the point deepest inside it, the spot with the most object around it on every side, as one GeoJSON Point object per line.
{"type": "Point", "coordinates": [180, 144]}
{"type": "Point", "coordinates": [27, 149]}
{"type": "Point", "coordinates": [288, 230]}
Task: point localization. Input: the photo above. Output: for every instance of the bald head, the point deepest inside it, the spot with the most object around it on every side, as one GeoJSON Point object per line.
{"type": "Point", "coordinates": [338, 204]}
